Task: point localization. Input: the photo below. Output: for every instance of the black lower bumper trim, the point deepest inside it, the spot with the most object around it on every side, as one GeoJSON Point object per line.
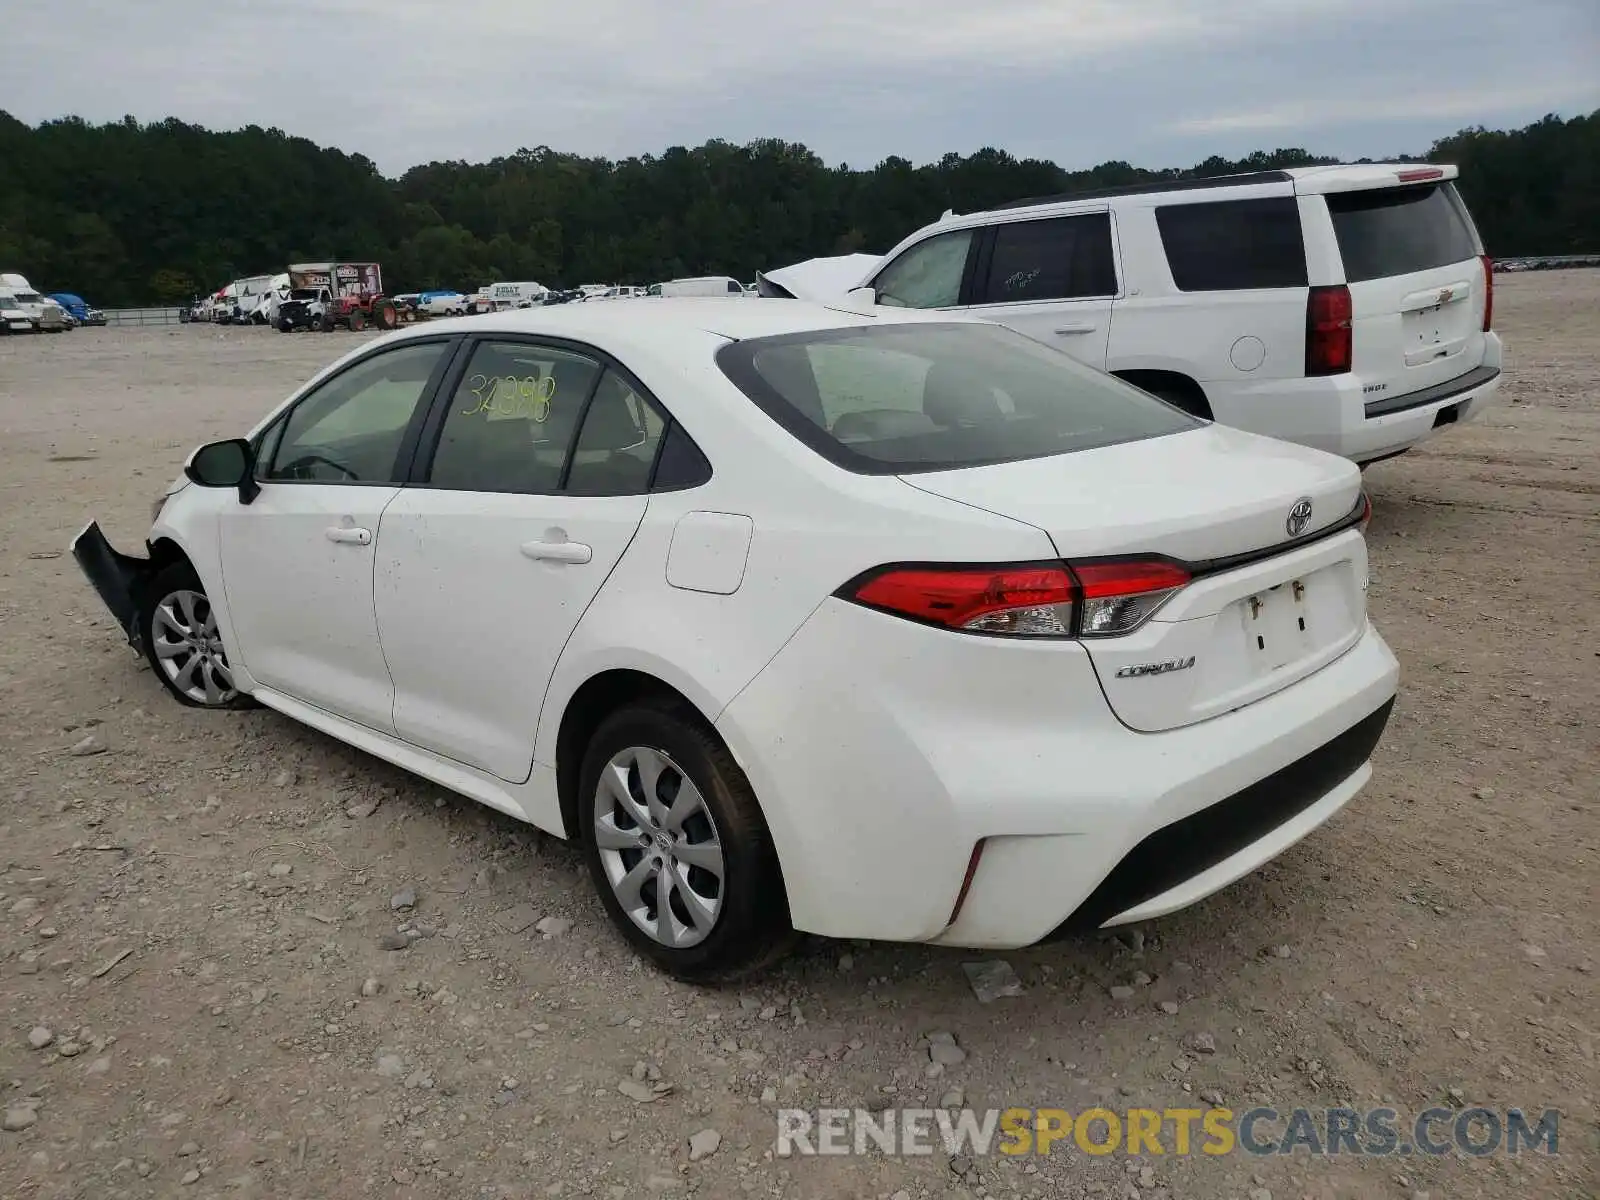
{"type": "Point", "coordinates": [1474, 378]}
{"type": "Point", "coordinates": [1198, 842]}
{"type": "Point", "coordinates": [116, 576]}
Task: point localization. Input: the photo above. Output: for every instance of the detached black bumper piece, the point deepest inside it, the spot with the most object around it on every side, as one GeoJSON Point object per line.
{"type": "Point", "coordinates": [1198, 842]}
{"type": "Point", "coordinates": [116, 576]}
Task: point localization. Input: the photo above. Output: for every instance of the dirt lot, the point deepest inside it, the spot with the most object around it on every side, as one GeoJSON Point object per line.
{"type": "Point", "coordinates": [193, 914]}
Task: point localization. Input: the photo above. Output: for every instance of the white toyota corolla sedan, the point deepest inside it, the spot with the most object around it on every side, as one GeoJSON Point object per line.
{"type": "Point", "coordinates": [797, 619]}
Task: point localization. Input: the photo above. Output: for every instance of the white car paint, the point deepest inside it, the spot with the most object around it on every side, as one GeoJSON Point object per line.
{"type": "Point", "coordinates": [1422, 352]}
{"type": "Point", "coordinates": [825, 280]}
{"type": "Point", "coordinates": [449, 631]}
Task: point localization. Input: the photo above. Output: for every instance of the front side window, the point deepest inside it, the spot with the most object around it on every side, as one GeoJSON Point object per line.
{"type": "Point", "coordinates": [1234, 245]}
{"type": "Point", "coordinates": [351, 428]}
{"type": "Point", "coordinates": [894, 399]}
{"type": "Point", "coordinates": [511, 419]}
{"type": "Point", "coordinates": [928, 275]}
{"type": "Point", "coordinates": [1061, 258]}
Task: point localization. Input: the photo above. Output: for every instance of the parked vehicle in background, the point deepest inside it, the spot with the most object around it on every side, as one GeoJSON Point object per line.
{"type": "Point", "coordinates": [705, 285]}
{"type": "Point", "coordinates": [250, 295]}
{"type": "Point", "coordinates": [79, 308]}
{"type": "Point", "coordinates": [53, 318]}
{"type": "Point", "coordinates": [42, 314]}
{"type": "Point", "coordinates": [1344, 307]}
{"type": "Point", "coordinates": [333, 295]}
{"type": "Point", "coordinates": [442, 303]}
{"type": "Point", "coordinates": [821, 279]}
{"type": "Point", "coordinates": [517, 295]}
{"type": "Point", "coordinates": [13, 318]}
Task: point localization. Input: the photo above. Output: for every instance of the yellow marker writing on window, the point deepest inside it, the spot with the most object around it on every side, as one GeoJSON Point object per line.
{"type": "Point", "coordinates": [506, 396]}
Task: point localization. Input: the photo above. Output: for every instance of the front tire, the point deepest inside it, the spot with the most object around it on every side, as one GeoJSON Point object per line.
{"type": "Point", "coordinates": [179, 635]}
{"type": "Point", "coordinates": [677, 846]}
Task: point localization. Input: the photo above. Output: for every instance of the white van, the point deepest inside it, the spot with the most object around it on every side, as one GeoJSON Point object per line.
{"type": "Point", "coordinates": [1344, 307]}
{"type": "Point", "coordinates": [705, 285]}
{"type": "Point", "coordinates": [516, 295]}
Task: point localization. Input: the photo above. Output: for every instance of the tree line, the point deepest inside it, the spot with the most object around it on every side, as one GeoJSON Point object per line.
{"type": "Point", "coordinates": [128, 213]}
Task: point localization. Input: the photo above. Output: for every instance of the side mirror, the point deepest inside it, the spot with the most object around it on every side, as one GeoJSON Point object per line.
{"type": "Point", "coordinates": [861, 299]}
{"type": "Point", "coordinates": [221, 464]}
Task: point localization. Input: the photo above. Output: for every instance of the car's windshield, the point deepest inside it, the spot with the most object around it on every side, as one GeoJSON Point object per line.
{"type": "Point", "coordinates": [887, 399]}
{"type": "Point", "coordinates": [30, 297]}
{"type": "Point", "coordinates": [303, 293]}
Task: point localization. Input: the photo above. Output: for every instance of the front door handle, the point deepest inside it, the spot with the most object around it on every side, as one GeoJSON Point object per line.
{"type": "Point", "coordinates": [1084, 327]}
{"type": "Point", "coordinates": [349, 533]}
{"type": "Point", "coordinates": [562, 552]}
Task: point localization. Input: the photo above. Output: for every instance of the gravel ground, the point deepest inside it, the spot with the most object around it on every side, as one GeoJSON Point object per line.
{"type": "Point", "coordinates": [195, 999]}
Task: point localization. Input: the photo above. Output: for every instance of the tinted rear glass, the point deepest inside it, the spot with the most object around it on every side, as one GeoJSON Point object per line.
{"type": "Point", "coordinates": [893, 399]}
{"type": "Point", "coordinates": [1059, 258]}
{"type": "Point", "coordinates": [1396, 231]}
{"type": "Point", "coordinates": [1234, 245]}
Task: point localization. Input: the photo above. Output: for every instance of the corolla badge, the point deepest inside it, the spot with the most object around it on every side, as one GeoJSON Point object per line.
{"type": "Point", "coordinates": [1299, 517]}
{"type": "Point", "coordinates": [1156, 668]}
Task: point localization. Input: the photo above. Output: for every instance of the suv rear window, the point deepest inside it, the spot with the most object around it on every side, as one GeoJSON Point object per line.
{"type": "Point", "coordinates": [1234, 245]}
{"type": "Point", "coordinates": [895, 399]}
{"type": "Point", "coordinates": [1396, 231]}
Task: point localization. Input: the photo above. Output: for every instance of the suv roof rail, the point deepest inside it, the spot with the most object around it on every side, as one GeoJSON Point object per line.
{"type": "Point", "coordinates": [1154, 185]}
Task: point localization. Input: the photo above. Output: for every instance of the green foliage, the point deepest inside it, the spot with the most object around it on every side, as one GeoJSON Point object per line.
{"type": "Point", "coordinates": [126, 213]}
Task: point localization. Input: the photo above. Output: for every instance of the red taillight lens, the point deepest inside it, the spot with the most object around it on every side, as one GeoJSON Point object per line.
{"type": "Point", "coordinates": [1051, 600]}
{"type": "Point", "coordinates": [1119, 596]}
{"type": "Point", "coordinates": [1027, 600]}
{"type": "Point", "coordinates": [1328, 333]}
{"type": "Point", "coordinates": [1488, 292]}
{"type": "Point", "coordinates": [1366, 511]}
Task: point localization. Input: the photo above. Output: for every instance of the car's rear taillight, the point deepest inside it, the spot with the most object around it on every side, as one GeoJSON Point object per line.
{"type": "Point", "coordinates": [1023, 600]}
{"type": "Point", "coordinates": [1047, 600]}
{"type": "Point", "coordinates": [1121, 595]}
{"type": "Point", "coordinates": [1328, 330]}
{"type": "Point", "coordinates": [1488, 292]}
{"type": "Point", "coordinates": [1366, 512]}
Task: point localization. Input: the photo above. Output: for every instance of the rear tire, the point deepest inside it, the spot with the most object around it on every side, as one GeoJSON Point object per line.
{"type": "Point", "coordinates": [713, 928]}
{"type": "Point", "coordinates": [385, 315]}
{"type": "Point", "coordinates": [180, 639]}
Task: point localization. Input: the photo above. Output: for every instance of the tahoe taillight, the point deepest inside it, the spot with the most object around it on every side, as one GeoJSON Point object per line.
{"type": "Point", "coordinates": [1328, 330]}
{"type": "Point", "coordinates": [1050, 600]}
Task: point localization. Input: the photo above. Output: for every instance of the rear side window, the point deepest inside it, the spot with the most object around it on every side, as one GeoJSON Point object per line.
{"type": "Point", "coordinates": [1063, 258]}
{"type": "Point", "coordinates": [894, 399]}
{"type": "Point", "coordinates": [1397, 231]}
{"type": "Point", "coordinates": [1234, 245]}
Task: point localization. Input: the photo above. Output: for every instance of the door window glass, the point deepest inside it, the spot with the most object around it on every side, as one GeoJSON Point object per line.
{"type": "Point", "coordinates": [928, 275]}
{"type": "Point", "coordinates": [351, 428]}
{"type": "Point", "coordinates": [511, 419]}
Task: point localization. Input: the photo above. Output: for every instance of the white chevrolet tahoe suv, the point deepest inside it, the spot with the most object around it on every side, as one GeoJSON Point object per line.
{"type": "Point", "coordinates": [1346, 307]}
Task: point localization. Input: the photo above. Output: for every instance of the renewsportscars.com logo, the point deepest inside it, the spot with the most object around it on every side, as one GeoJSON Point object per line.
{"type": "Point", "coordinates": [1476, 1132]}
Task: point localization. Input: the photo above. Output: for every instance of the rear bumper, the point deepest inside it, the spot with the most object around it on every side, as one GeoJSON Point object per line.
{"type": "Point", "coordinates": [1336, 414]}
{"type": "Point", "coordinates": [877, 795]}
{"type": "Point", "coordinates": [116, 576]}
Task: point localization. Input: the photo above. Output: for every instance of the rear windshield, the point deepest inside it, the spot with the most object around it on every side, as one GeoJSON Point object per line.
{"type": "Point", "coordinates": [1398, 231]}
{"type": "Point", "coordinates": [893, 399]}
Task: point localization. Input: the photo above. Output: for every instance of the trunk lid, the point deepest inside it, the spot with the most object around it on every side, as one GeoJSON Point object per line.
{"type": "Point", "coordinates": [1241, 630]}
{"type": "Point", "coordinates": [1418, 287]}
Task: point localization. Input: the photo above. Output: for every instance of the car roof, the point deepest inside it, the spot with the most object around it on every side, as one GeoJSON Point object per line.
{"type": "Point", "coordinates": [658, 319]}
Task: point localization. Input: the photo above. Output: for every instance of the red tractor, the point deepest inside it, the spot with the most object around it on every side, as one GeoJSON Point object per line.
{"type": "Point", "coordinates": [355, 313]}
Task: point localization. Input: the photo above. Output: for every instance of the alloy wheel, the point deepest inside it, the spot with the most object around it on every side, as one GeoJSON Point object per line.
{"type": "Point", "coordinates": [188, 648]}
{"type": "Point", "coordinates": [659, 847]}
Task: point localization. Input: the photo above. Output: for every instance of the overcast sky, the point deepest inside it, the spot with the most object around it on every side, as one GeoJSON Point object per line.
{"type": "Point", "coordinates": [1154, 82]}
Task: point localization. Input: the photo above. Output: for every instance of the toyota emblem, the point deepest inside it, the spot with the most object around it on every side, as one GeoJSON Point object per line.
{"type": "Point", "coordinates": [1299, 517]}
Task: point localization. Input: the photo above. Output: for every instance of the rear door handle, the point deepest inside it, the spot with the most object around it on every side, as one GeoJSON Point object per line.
{"type": "Point", "coordinates": [349, 533]}
{"type": "Point", "coordinates": [1084, 327]}
{"type": "Point", "coordinates": [562, 552]}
